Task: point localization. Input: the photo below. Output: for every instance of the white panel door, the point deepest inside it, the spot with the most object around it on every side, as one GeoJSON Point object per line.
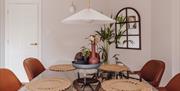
{"type": "Point", "coordinates": [22, 35]}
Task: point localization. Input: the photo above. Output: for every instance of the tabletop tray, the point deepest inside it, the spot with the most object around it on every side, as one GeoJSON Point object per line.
{"type": "Point", "coordinates": [86, 66]}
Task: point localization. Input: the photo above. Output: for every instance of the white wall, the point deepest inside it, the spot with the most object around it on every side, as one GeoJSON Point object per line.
{"type": "Point", "coordinates": [1, 33]}
{"type": "Point", "coordinates": [165, 35]}
{"type": "Point", "coordinates": [175, 36]}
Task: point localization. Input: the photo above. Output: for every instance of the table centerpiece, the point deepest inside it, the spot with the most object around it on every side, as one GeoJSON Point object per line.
{"type": "Point", "coordinates": [86, 58]}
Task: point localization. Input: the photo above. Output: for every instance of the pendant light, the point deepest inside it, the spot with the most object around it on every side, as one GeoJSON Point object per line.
{"type": "Point", "coordinates": [89, 16]}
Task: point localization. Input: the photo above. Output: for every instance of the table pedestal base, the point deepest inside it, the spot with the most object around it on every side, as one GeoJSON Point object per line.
{"type": "Point", "coordinates": [86, 82]}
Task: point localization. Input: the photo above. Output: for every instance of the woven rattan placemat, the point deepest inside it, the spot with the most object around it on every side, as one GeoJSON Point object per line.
{"type": "Point", "coordinates": [62, 67]}
{"type": "Point", "coordinates": [49, 84]}
{"type": "Point", "coordinates": [125, 85]}
{"type": "Point", "coordinates": [113, 68]}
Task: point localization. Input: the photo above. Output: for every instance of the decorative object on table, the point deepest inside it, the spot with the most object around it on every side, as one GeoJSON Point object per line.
{"type": "Point", "coordinates": [62, 67]}
{"type": "Point", "coordinates": [79, 58]}
{"type": "Point", "coordinates": [132, 24]}
{"type": "Point", "coordinates": [89, 16]}
{"type": "Point", "coordinates": [86, 53]}
{"type": "Point", "coordinates": [86, 66]}
{"type": "Point", "coordinates": [93, 58]}
{"type": "Point", "coordinates": [125, 85]}
{"type": "Point", "coordinates": [49, 84]}
{"type": "Point", "coordinates": [82, 57]}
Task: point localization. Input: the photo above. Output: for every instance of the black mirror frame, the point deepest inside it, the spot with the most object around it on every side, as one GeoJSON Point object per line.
{"type": "Point", "coordinates": [126, 22]}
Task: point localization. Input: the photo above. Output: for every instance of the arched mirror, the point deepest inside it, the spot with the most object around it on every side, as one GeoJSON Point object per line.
{"type": "Point", "coordinates": [128, 29]}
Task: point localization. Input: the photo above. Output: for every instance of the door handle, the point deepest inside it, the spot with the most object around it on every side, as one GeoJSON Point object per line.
{"type": "Point", "coordinates": [34, 44]}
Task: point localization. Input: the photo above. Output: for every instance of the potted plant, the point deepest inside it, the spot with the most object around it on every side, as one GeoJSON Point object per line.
{"type": "Point", "coordinates": [108, 36]}
{"type": "Point", "coordinates": [85, 53]}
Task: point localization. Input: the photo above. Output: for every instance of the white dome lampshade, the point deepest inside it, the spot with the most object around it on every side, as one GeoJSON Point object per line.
{"type": "Point", "coordinates": [88, 16]}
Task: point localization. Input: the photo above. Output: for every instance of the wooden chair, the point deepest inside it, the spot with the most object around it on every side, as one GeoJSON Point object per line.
{"type": "Point", "coordinates": [33, 67]}
{"type": "Point", "coordinates": [152, 72]}
{"type": "Point", "coordinates": [8, 81]}
{"type": "Point", "coordinates": [173, 85]}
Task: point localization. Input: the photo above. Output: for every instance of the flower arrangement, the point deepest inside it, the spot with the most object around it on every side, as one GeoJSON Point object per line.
{"type": "Point", "coordinates": [94, 39]}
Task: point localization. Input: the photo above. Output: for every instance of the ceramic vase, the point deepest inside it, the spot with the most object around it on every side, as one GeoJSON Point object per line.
{"type": "Point", "coordinates": [93, 58]}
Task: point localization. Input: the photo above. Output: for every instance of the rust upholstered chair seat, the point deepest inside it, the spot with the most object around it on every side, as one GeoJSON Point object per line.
{"type": "Point", "coordinates": [8, 81]}
{"type": "Point", "coordinates": [173, 85]}
{"type": "Point", "coordinates": [33, 67]}
{"type": "Point", "coordinates": [152, 72]}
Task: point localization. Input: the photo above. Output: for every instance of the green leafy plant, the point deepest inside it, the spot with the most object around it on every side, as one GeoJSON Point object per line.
{"type": "Point", "coordinates": [108, 36]}
{"type": "Point", "coordinates": [107, 32]}
{"type": "Point", "coordinates": [85, 51]}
